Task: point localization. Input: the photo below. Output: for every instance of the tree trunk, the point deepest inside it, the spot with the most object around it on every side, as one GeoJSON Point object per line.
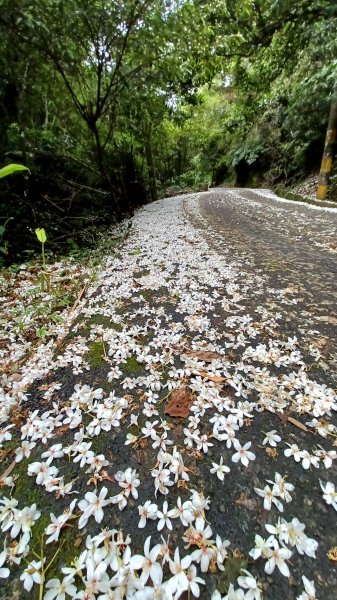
{"type": "Point", "coordinates": [102, 169]}
{"type": "Point", "coordinates": [22, 103]}
{"type": "Point", "coordinates": [324, 175]}
{"type": "Point", "coordinates": [151, 169]}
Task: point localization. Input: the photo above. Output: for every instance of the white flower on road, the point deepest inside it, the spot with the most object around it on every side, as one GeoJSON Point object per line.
{"type": "Point", "coordinates": [179, 582]}
{"type": "Point", "coordinates": [22, 519]}
{"type": "Point", "coordinates": [329, 494]}
{"type": "Point", "coordinates": [57, 589]}
{"type": "Point", "coordinates": [269, 498]}
{"type": "Point", "coordinates": [248, 582]}
{"type": "Point", "coordinates": [54, 528]}
{"type": "Point", "coordinates": [31, 574]}
{"type": "Point", "coordinates": [262, 547]}
{"type": "Point", "coordinates": [92, 505]}
{"type": "Point", "coordinates": [193, 581]}
{"type": "Point", "coordinates": [326, 456]}
{"type": "Point", "coordinates": [23, 451]}
{"type": "Point", "coordinates": [129, 482]}
{"type": "Point", "coordinates": [164, 517]}
{"type": "Point", "coordinates": [242, 453]}
{"type": "Point", "coordinates": [183, 511]}
{"type": "Point", "coordinates": [147, 511]}
{"type": "Point", "coordinates": [148, 564]}
{"type": "Point", "coordinates": [130, 439]}
{"type": "Point", "coordinates": [277, 558]}
{"type": "Point", "coordinates": [232, 594]}
{"type": "Point", "coordinates": [294, 451]}
{"type": "Point", "coordinates": [220, 469]}
{"type": "Point", "coordinates": [55, 451]}
{"type": "Point", "coordinates": [271, 438]}
{"type": "Point", "coordinates": [282, 487]}
{"type": "Point", "coordinates": [310, 592]}
{"type": "Point", "coordinates": [4, 572]}
{"type": "Point", "coordinates": [221, 552]}
{"type": "Point", "coordinates": [43, 472]}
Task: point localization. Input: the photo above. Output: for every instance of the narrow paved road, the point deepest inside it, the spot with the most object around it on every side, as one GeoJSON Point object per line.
{"type": "Point", "coordinates": [293, 244]}
{"type": "Point", "coordinates": [190, 408]}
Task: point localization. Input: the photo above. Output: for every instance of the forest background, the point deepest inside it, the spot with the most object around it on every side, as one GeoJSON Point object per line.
{"type": "Point", "coordinates": [114, 103]}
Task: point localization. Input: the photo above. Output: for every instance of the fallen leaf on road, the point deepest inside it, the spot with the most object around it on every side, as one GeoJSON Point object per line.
{"type": "Point", "coordinates": [246, 502]}
{"type": "Point", "coordinates": [61, 429]}
{"type": "Point", "coordinates": [214, 378]}
{"type": "Point", "coordinates": [18, 417]}
{"type": "Point", "coordinates": [297, 423]}
{"type": "Point", "coordinates": [204, 355]}
{"type": "Point", "coordinates": [5, 452]}
{"type": "Point", "coordinates": [16, 376]}
{"type": "Point", "coordinates": [321, 342]}
{"type": "Point", "coordinates": [7, 471]}
{"type": "Point", "coordinates": [179, 403]}
{"type": "Point", "coordinates": [143, 442]}
{"type": "Point", "coordinates": [285, 419]}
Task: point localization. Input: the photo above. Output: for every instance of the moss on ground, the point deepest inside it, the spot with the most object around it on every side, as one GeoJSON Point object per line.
{"type": "Point", "coordinates": [95, 354]}
{"type": "Point", "coordinates": [232, 570]}
{"type": "Point", "coordinates": [132, 367]}
{"type": "Point", "coordinates": [276, 265]}
{"type": "Point", "coordinates": [104, 321]}
{"type": "Point", "coordinates": [25, 489]}
{"type": "Point", "coordinates": [146, 294]}
{"type": "Point", "coordinates": [283, 192]}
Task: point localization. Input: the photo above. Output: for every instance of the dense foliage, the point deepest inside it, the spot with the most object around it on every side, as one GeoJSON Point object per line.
{"type": "Point", "coordinates": [114, 103]}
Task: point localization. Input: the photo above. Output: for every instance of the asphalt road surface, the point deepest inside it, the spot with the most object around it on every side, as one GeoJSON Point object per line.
{"type": "Point", "coordinates": [230, 297]}
{"type": "Point", "coordinates": [293, 244]}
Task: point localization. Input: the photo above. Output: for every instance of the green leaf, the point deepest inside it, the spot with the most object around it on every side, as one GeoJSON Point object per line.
{"type": "Point", "coordinates": [41, 235]}
{"type": "Point", "coordinates": [9, 169]}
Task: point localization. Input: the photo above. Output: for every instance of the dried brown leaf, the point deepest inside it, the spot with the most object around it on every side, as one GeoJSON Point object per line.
{"type": "Point", "coordinates": [5, 452]}
{"type": "Point", "coordinates": [248, 503]}
{"type": "Point", "coordinates": [7, 471]}
{"type": "Point", "coordinates": [204, 355]}
{"type": "Point", "coordinates": [297, 423]}
{"type": "Point", "coordinates": [179, 403]}
{"type": "Point", "coordinates": [321, 342]}
{"type": "Point", "coordinates": [18, 417]}
{"type": "Point", "coordinates": [215, 378]}
{"type": "Point", "coordinates": [62, 429]}
{"type": "Point", "coordinates": [16, 376]}
{"type": "Point", "coordinates": [285, 419]}
{"type": "Point", "coordinates": [143, 442]}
